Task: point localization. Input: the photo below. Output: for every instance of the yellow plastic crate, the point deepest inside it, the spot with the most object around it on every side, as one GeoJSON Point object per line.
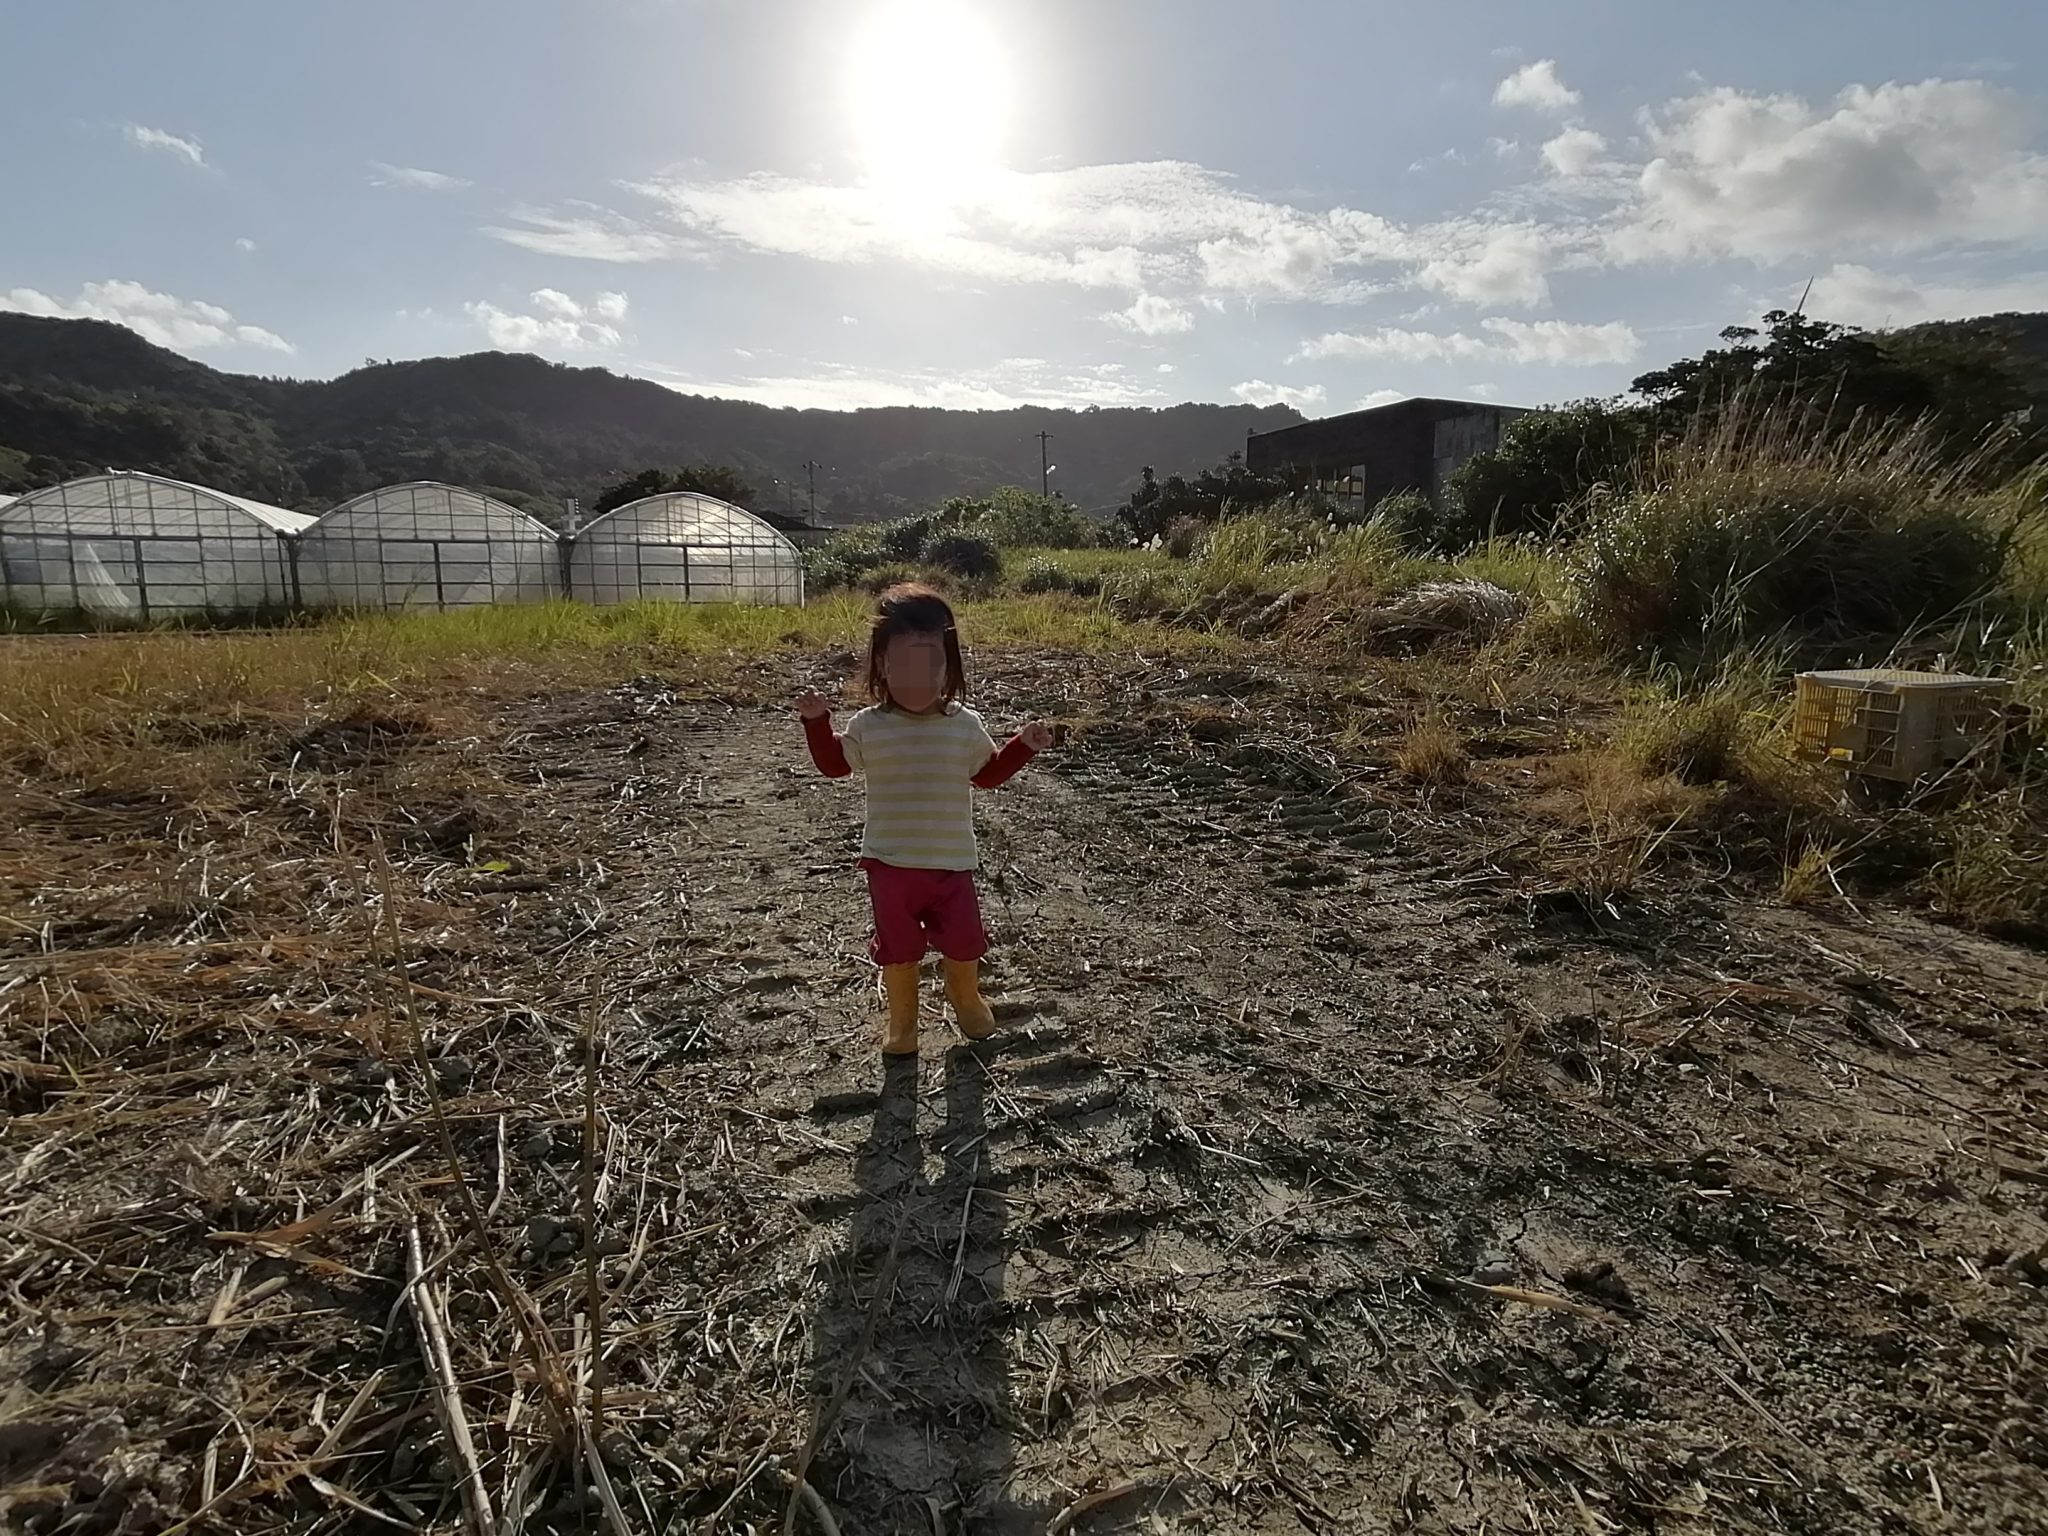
{"type": "Point", "coordinates": [1896, 724]}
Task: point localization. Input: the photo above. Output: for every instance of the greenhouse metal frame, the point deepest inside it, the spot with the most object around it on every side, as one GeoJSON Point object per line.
{"type": "Point", "coordinates": [132, 546]}
{"type": "Point", "coordinates": [426, 545]}
{"type": "Point", "coordinates": [681, 546]}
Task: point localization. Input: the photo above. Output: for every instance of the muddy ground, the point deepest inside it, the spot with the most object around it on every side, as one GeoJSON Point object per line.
{"type": "Point", "coordinates": [1335, 1170]}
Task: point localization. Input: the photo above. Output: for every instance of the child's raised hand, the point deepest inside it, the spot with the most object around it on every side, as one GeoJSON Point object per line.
{"type": "Point", "coordinates": [1037, 735]}
{"type": "Point", "coordinates": [814, 706]}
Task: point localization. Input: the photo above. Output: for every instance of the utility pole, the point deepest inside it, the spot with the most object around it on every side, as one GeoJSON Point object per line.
{"type": "Point", "coordinates": [811, 469]}
{"type": "Point", "coordinates": [1044, 468]}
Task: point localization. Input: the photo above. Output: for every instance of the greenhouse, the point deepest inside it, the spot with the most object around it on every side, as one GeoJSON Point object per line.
{"type": "Point", "coordinates": [687, 548]}
{"type": "Point", "coordinates": [137, 547]}
{"type": "Point", "coordinates": [426, 545]}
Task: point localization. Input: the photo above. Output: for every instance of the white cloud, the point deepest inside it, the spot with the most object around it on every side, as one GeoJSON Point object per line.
{"type": "Point", "coordinates": [1009, 382]}
{"type": "Point", "coordinates": [848, 320]}
{"type": "Point", "coordinates": [557, 303]}
{"type": "Point", "coordinates": [1537, 87]}
{"type": "Point", "coordinates": [1574, 152]}
{"type": "Point", "coordinates": [1562, 344]}
{"type": "Point", "coordinates": [1391, 342]}
{"type": "Point", "coordinates": [1554, 342]}
{"type": "Point", "coordinates": [1162, 227]}
{"type": "Point", "coordinates": [170, 143]}
{"type": "Point", "coordinates": [1856, 295]}
{"type": "Point", "coordinates": [1166, 367]}
{"type": "Point", "coordinates": [1504, 149]}
{"type": "Point", "coordinates": [610, 306]}
{"type": "Point", "coordinates": [1259, 392]}
{"type": "Point", "coordinates": [1010, 234]}
{"type": "Point", "coordinates": [1378, 398]}
{"type": "Point", "coordinates": [562, 324]}
{"type": "Point", "coordinates": [594, 235]}
{"type": "Point", "coordinates": [1890, 169]}
{"type": "Point", "coordinates": [382, 175]}
{"type": "Point", "coordinates": [1493, 264]}
{"type": "Point", "coordinates": [245, 245]}
{"type": "Point", "coordinates": [1451, 156]}
{"type": "Point", "coordinates": [185, 325]}
{"type": "Point", "coordinates": [1151, 315]}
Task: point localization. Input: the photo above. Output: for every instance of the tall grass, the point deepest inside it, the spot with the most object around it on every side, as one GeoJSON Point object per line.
{"type": "Point", "coordinates": [1274, 552]}
{"type": "Point", "coordinates": [1759, 526]}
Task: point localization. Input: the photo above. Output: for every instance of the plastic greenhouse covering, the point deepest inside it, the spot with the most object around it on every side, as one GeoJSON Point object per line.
{"type": "Point", "coordinates": [426, 545]}
{"type": "Point", "coordinates": [139, 547]}
{"type": "Point", "coordinates": [683, 547]}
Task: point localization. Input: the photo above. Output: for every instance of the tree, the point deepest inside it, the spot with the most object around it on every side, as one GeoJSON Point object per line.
{"type": "Point", "coordinates": [1545, 466]}
{"type": "Point", "coordinates": [705, 479]}
{"type": "Point", "coordinates": [1967, 385]}
{"type": "Point", "coordinates": [1231, 486]}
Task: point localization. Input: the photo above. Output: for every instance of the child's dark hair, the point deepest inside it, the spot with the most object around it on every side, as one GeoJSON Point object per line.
{"type": "Point", "coordinates": [911, 608]}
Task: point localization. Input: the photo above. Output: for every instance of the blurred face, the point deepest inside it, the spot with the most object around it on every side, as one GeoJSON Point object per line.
{"type": "Point", "coordinates": [914, 668]}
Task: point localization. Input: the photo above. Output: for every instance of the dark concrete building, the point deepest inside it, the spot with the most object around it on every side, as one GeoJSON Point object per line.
{"type": "Point", "coordinates": [1411, 445]}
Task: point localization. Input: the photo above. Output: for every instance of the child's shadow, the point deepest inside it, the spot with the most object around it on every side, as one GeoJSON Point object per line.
{"type": "Point", "coordinates": [912, 1330]}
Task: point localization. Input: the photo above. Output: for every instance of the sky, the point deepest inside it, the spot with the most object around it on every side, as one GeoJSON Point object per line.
{"type": "Point", "coordinates": [981, 203]}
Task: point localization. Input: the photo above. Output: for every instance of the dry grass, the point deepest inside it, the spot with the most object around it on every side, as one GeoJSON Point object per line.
{"type": "Point", "coordinates": [1808, 878]}
{"type": "Point", "coordinates": [1617, 818]}
{"type": "Point", "coordinates": [1433, 752]}
{"type": "Point", "coordinates": [1995, 874]}
{"type": "Point", "coordinates": [95, 707]}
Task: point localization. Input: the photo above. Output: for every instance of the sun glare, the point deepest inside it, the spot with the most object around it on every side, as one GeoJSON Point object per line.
{"type": "Point", "coordinates": [930, 93]}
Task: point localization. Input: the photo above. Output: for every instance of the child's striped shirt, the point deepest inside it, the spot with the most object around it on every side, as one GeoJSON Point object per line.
{"type": "Point", "coordinates": [920, 771]}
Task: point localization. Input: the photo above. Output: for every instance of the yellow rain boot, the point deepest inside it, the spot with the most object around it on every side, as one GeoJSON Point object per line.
{"type": "Point", "coordinates": [899, 983]}
{"type": "Point", "coordinates": [963, 989]}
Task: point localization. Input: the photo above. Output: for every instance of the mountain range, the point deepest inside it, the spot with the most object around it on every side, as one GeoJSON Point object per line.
{"type": "Point", "coordinates": [81, 396]}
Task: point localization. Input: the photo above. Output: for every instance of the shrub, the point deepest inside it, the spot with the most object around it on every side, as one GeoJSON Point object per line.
{"type": "Point", "coordinates": [1548, 465]}
{"type": "Point", "coordinates": [832, 566]}
{"type": "Point", "coordinates": [1018, 519]}
{"type": "Point", "coordinates": [971, 555]}
{"type": "Point", "coordinates": [881, 578]}
{"type": "Point", "coordinates": [1854, 538]}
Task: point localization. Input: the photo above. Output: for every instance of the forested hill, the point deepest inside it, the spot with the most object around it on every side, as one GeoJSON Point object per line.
{"type": "Point", "coordinates": [79, 396]}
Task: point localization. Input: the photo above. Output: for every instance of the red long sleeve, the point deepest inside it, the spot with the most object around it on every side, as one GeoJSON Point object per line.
{"type": "Point", "coordinates": [826, 749]}
{"type": "Point", "coordinates": [1003, 767]}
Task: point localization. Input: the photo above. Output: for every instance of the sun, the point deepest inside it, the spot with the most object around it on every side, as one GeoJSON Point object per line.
{"type": "Point", "coordinates": [930, 98]}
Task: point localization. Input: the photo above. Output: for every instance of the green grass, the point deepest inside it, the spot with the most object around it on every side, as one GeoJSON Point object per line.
{"type": "Point", "coordinates": [1102, 563]}
{"type": "Point", "coordinates": [99, 706]}
{"type": "Point", "coordinates": [1534, 570]}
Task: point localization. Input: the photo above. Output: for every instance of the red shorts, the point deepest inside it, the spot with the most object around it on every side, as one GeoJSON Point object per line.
{"type": "Point", "coordinates": [920, 909]}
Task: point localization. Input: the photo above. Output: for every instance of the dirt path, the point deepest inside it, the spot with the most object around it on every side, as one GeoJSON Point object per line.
{"type": "Point", "coordinates": [1326, 1177]}
{"type": "Point", "coordinates": [1288, 1072]}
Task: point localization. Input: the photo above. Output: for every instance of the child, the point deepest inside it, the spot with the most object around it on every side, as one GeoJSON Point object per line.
{"type": "Point", "coordinates": [924, 752]}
